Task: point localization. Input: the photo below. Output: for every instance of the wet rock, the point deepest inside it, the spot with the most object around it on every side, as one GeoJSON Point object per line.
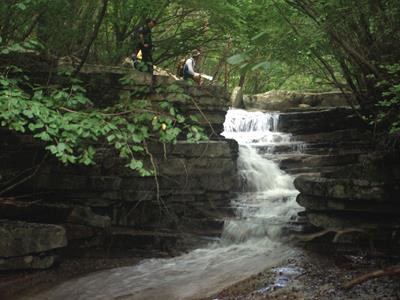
{"type": "Point", "coordinates": [85, 216]}
{"type": "Point", "coordinates": [26, 262]}
{"type": "Point", "coordinates": [341, 188]}
{"type": "Point", "coordinates": [20, 238]}
{"type": "Point", "coordinates": [339, 138]}
{"type": "Point", "coordinates": [125, 238]}
{"type": "Point", "coordinates": [307, 160]}
{"type": "Point", "coordinates": [316, 203]}
{"type": "Point", "coordinates": [36, 211]}
{"type": "Point", "coordinates": [78, 232]}
{"type": "Point", "coordinates": [349, 220]}
{"type": "Point", "coordinates": [324, 120]}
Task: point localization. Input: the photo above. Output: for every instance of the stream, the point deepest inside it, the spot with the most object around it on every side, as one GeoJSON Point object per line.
{"type": "Point", "coordinates": [249, 244]}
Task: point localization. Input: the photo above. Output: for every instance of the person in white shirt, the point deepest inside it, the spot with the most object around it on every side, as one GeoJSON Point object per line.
{"type": "Point", "coordinates": [189, 67]}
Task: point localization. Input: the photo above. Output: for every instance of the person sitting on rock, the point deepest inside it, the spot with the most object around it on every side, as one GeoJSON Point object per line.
{"type": "Point", "coordinates": [189, 67]}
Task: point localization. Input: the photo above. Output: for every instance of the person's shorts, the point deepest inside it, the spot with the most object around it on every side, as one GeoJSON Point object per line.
{"type": "Point", "coordinates": [187, 76]}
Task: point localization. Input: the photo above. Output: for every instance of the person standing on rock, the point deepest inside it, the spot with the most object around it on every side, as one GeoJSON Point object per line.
{"type": "Point", "coordinates": [144, 47]}
{"type": "Point", "coordinates": [189, 67]}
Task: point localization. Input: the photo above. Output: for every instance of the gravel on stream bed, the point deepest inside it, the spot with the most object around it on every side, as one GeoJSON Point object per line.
{"type": "Point", "coordinates": [316, 273]}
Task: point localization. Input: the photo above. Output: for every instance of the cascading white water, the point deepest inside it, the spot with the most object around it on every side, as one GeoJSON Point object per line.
{"type": "Point", "coordinates": [267, 198]}
{"type": "Point", "coordinates": [249, 243]}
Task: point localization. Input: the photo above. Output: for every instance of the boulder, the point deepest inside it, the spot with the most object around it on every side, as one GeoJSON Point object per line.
{"type": "Point", "coordinates": [21, 238]}
{"type": "Point", "coordinates": [272, 100]}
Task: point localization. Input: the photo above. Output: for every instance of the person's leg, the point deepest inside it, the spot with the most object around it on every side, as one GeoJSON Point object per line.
{"type": "Point", "coordinates": [197, 79]}
{"type": "Point", "coordinates": [147, 59]}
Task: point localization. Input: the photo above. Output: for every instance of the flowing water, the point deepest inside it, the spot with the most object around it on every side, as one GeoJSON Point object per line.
{"type": "Point", "coordinates": [250, 242]}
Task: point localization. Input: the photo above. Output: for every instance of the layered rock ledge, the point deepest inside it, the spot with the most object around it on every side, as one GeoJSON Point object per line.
{"type": "Point", "coordinates": [345, 184]}
{"type": "Point", "coordinates": [109, 209]}
{"type": "Point", "coordinates": [277, 100]}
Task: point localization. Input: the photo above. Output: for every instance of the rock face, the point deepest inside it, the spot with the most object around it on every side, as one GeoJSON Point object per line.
{"type": "Point", "coordinates": [356, 196]}
{"type": "Point", "coordinates": [39, 211]}
{"type": "Point", "coordinates": [344, 185]}
{"type": "Point", "coordinates": [194, 182]}
{"type": "Point", "coordinates": [328, 120]}
{"type": "Point", "coordinates": [110, 207]}
{"type": "Point", "coordinates": [22, 242]}
{"type": "Point", "coordinates": [26, 262]}
{"type": "Point", "coordinates": [285, 100]}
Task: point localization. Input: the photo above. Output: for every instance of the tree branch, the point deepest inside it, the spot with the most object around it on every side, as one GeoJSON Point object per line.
{"type": "Point", "coordinates": [92, 38]}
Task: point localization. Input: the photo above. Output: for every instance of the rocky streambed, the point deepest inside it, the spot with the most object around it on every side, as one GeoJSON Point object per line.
{"type": "Point", "coordinates": [320, 272]}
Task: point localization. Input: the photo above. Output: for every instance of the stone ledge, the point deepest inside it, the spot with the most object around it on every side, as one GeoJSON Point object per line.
{"type": "Point", "coordinates": [44, 212]}
{"type": "Point", "coordinates": [347, 220]}
{"type": "Point", "coordinates": [331, 204]}
{"type": "Point", "coordinates": [21, 238]}
{"type": "Point", "coordinates": [26, 262]}
{"type": "Point", "coordinates": [341, 188]}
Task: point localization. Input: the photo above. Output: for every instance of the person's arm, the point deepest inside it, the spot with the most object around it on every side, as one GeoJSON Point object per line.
{"type": "Point", "coordinates": [190, 65]}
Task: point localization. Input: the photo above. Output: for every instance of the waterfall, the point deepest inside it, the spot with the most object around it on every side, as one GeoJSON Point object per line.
{"type": "Point", "coordinates": [267, 198]}
{"type": "Point", "coordinates": [250, 240]}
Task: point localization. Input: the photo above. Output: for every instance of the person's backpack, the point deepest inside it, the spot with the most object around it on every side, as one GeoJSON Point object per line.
{"type": "Point", "coordinates": [136, 34]}
{"type": "Point", "coordinates": [180, 67]}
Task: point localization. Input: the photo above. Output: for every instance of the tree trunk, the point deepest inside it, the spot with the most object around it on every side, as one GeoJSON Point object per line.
{"type": "Point", "coordinates": [93, 37]}
{"type": "Point", "coordinates": [242, 79]}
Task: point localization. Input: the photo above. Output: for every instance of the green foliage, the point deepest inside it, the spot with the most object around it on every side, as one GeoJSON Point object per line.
{"type": "Point", "coordinates": [265, 44]}
{"type": "Point", "coordinates": [389, 106]}
{"type": "Point", "coordinates": [66, 121]}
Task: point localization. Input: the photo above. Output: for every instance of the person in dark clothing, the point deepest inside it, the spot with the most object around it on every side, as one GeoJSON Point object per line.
{"type": "Point", "coordinates": [145, 47]}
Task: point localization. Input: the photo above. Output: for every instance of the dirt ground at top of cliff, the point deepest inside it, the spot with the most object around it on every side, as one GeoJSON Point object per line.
{"type": "Point", "coordinates": [320, 275]}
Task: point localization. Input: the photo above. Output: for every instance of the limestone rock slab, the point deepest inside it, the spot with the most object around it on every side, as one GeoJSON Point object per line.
{"type": "Point", "coordinates": [341, 188]}
{"type": "Point", "coordinates": [21, 238]}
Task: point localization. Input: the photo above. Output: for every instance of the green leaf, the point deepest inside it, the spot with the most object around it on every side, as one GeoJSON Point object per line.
{"type": "Point", "coordinates": [110, 138]}
{"type": "Point", "coordinates": [236, 59]}
{"type": "Point", "coordinates": [135, 164]}
{"type": "Point", "coordinates": [61, 147]}
{"type": "Point", "coordinates": [4, 82]}
{"type": "Point", "coordinates": [44, 136]}
{"type": "Point", "coordinates": [262, 65]}
{"type": "Point", "coordinates": [52, 149]}
{"type": "Point", "coordinates": [21, 6]}
{"type": "Point", "coordinates": [165, 104]}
